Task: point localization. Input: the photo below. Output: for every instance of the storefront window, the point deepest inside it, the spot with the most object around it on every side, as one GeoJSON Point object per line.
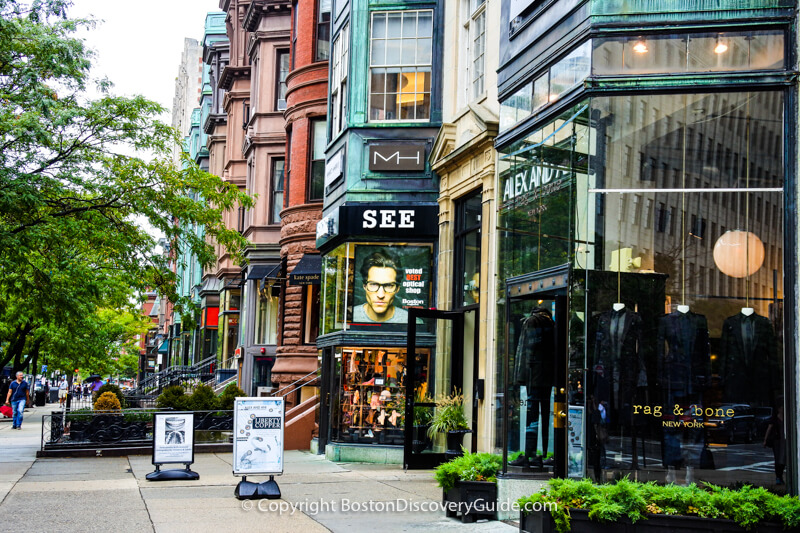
{"type": "Point", "coordinates": [670, 218]}
{"type": "Point", "coordinates": [369, 287]}
{"type": "Point", "coordinates": [229, 319]}
{"type": "Point", "coordinates": [371, 400]}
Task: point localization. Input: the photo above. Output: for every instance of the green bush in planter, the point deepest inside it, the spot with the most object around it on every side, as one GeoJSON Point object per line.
{"type": "Point", "coordinates": [468, 467]}
{"type": "Point", "coordinates": [173, 397]}
{"type": "Point", "coordinates": [747, 506]}
{"type": "Point", "coordinates": [109, 387]}
{"type": "Point", "coordinates": [228, 395]}
{"type": "Point", "coordinates": [203, 399]}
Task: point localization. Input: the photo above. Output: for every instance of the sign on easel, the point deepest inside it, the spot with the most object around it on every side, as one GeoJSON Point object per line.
{"type": "Point", "coordinates": [258, 425]}
{"type": "Point", "coordinates": [173, 442]}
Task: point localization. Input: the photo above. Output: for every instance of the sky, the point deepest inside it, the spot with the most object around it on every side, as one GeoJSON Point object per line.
{"type": "Point", "coordinates": [139, 44]}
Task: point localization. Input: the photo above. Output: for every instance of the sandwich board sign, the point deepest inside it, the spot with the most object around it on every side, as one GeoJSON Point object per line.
{"type": "Point", "coordinates": [258, 426]}
{"type": "Point", "coordinates": [173, 442]}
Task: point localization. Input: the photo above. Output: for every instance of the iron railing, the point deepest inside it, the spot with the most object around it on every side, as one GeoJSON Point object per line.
{"type": "Point", "coordinates": [129, 428]}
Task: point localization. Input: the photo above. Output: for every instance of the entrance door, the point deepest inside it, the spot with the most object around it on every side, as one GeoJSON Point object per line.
{"type": "Point", "coordinates": [443, 376]}
{"type": "Point", "coordinates": [328, 389]}
{"type": "Point", "coordinates": [535, 415]}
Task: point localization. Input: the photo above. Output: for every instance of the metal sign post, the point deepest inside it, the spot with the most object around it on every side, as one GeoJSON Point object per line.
{"type": "Point", "coordinates": [173, 442]}
{"type": "Point", "coordinates": [258, 425]}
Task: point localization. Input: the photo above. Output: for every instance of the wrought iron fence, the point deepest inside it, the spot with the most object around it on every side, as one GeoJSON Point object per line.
{"type": "Point", "coordinates": [129, 428]}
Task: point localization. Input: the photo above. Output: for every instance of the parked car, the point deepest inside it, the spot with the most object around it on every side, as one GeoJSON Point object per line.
{"type": "Point", "coordinates": [762, 416]}
{"type": "Point", "coordinates": [731, 423]}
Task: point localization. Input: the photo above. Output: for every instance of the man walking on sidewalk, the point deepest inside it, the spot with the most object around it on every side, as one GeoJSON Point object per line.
{"type": "Point", "coordinates": [18, 396]}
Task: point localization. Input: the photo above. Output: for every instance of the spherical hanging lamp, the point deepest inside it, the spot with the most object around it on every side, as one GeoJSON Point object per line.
{"type": "Point", "coordinates": [738, 253]}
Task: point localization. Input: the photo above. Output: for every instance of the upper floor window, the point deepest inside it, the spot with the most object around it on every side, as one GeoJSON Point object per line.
{"type": "Point", "coordinates": [283, 72]}
{"type": "Point", "coordinates": [323, 50]}
{"type": "Point", "coordinates": [340, 60]}
{"type": "Point", "coordinates": [294, 33]}
{"type": "Point", "coordinates": [277, 191]}
{"type": "Point", "coordinates": [400, 65]}
{"type": "Point", "coordinates": [476, 29]}
{"type": "Point", "coordinates": [316, 186]}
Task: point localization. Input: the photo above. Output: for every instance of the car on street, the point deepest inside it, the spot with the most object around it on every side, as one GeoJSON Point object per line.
{"type": "Point", "coordinates": [731, 423]}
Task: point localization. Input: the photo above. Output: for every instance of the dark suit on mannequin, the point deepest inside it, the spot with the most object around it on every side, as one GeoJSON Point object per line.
{"type": "Point", "coordinates": [750, 369]}
{"type": "Point", "coordinates": [535, 368]}
{"type": "Point", "coordinates": [618, 365]}
{"type": "Point", "coordinates": [684, 372]}
{"type": "Point", "coordinates": [618, 369]}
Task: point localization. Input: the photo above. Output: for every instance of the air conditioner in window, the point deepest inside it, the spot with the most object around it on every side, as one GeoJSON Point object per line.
{"type": "Point", "coordinates": [281, 104]}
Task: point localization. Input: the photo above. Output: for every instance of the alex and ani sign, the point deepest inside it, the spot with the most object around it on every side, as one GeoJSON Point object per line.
{"type": "Point", "coordinates": [530, 181]}
{"type": "Point", "coordinates": [393, 157]}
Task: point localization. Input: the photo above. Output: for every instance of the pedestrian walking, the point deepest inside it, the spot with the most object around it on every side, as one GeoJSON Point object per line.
{"type": "Point", "coordinates": [62, 392]}
{"type": "Point", "coordinates": [18, 397]}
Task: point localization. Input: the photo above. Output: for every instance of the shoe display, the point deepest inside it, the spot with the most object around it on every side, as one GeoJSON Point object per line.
{"type": "Point", "coordinates": [393, 418]}
{"type": "Point", "coordinates": [370, 382]}
{"type": "Point", "coordinates": [382, 417]}
{"type": "Point", "coordinates": [536, 462]}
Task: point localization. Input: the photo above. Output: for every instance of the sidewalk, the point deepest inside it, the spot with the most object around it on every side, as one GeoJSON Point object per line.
{"type": "Point", "coordinates": [97, 494]}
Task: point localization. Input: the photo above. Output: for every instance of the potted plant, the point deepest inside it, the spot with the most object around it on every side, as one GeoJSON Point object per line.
{"type": "Point", "coordinates": [628, 506]}
{"type": "Point", "coordinates": [448, 417]}
{"type": "Point", "coordinates": [469, 485]}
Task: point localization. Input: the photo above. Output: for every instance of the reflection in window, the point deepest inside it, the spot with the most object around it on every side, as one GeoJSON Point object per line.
{"type": "Point", "coordinates": [400, 65]}
{"type": "Point", "coordinates": [277, 190]}
{"type": "Point", "coordinates": [702, 52]}
{"type": "Point", "coordinates": [323, 49]}
{"type": "Point", "coordinates": [467, 249]}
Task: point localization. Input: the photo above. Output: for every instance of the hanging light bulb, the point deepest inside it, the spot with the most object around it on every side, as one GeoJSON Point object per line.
{"type": "Point", "coordinates": [640, 47]}
{"type": "Point", "coordinates": [739, 254]}
{"type": "Point", "coordinates": [721, 47]}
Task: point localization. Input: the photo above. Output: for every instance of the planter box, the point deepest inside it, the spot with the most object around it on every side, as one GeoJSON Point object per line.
{"type": "Point", "coordinates": [542, 522]}
{"type": "Point", "coordinates": [473, 500]}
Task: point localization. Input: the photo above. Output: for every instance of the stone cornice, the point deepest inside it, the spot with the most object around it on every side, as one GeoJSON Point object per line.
{"type": "Point", "coordinates": [229, 74]}
{"type": "Point", "coordinates": [263, 8]}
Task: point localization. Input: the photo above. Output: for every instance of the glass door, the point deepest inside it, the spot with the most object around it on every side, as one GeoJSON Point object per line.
{"type": "Point", "coordinates": [536, 413]}
{"type": "Point", "coordinates": [428, 379]}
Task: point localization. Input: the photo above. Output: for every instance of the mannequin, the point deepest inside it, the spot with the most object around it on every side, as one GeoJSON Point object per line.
{"type": "Point", "coordinates": [684, 372]}
{"type": "Point", "coordinates": [749, 365]}
{"type": "Point", "coordinates": [536, 370]}
{"type": "Point", "coordinates": [618, 367]}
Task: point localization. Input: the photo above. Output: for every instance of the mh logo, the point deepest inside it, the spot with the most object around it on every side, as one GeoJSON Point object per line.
{"type": "Point", "coordinates": [393, 157]}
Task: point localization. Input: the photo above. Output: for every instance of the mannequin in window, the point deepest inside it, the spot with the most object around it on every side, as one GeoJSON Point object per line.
{"type": "Point", "coordinates": [535, 369]}
{"type": "Point", "coordinates": [749, 365]}
{"type": "Point", "coordinates": [684, 371]}
{"type": "Point", "coordinates": [619, 369]}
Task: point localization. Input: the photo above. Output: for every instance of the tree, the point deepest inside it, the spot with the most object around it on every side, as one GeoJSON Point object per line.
{"type": "Point", "coordinates": [75, 185]}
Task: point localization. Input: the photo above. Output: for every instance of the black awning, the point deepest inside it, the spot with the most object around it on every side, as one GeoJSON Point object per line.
{"type": "Point", "coordinates": [232, 284]}
{"type": "Point", "coordinates": [260, 271]}
{"type": "Point", "coordinates": [307, 271]}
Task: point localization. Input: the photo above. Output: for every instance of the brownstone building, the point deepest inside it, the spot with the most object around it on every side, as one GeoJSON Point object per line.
{"type": "Point", "coordinates": [306, 89]}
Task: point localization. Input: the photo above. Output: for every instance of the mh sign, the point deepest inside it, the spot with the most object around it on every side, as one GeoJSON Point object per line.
{"type": "Point", "coordinates": [391, 157]}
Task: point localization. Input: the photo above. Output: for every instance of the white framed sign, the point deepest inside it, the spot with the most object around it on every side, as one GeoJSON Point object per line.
{"type": "Point", "coordinates": [258, 436]}
{"type": "Point", "coordinates": [173, 438]}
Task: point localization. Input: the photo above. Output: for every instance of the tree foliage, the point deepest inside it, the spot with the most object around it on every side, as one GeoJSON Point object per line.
{"type": "Point", "coordinates": [80, 176]}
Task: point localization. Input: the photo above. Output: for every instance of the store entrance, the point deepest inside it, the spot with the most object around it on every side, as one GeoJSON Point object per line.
{"type": "Point", "coordinates": [535, 418]}
{"type": "Point", "coordinates": [444, 376]}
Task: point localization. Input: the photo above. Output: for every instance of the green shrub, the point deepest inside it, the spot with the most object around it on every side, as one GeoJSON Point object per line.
{"type": "Point", "coordinates": [203, 399]}
{"type": "Point", "coordinates": [107, 403]}
{"type": "Point", "coordinates": [747, 506]}
{"type": "Point", "coordinates": [173, 397]}
{"type": "Point", "coordinates": [468, 467]}
{"type": "Point", "coordinates": [109, 387]}
{"type": "Point", "coordinates": [228, 395]}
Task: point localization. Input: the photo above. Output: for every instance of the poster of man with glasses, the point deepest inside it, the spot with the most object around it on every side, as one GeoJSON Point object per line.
{"type": "Point", "coordinates": [388, 280]}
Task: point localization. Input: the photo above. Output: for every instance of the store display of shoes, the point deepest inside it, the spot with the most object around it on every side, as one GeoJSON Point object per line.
{"type": "Point", "coordinates": [370, 382]}
{"type": "Point", "coordinates": [382, 417]}
{"type": "Point", "coordinates": [393, 418]}
{"type": "Point", "coordinates": [519, 461]}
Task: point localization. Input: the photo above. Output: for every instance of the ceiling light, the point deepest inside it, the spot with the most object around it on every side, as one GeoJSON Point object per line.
{"type": "Point", "coordinates": [721, 47]}
{"type": "Point", "coordinates": [640, 47]}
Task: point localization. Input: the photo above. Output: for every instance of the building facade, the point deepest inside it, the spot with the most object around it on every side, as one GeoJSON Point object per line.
{"type": "Point", "coordinates": [464, 159]}
{"type": "Point", "coordinates": [645, 225]}
{"type": "Point", "coordinates": [303, 92]}
{"type": "Point", "coordinates": [378, 234]}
